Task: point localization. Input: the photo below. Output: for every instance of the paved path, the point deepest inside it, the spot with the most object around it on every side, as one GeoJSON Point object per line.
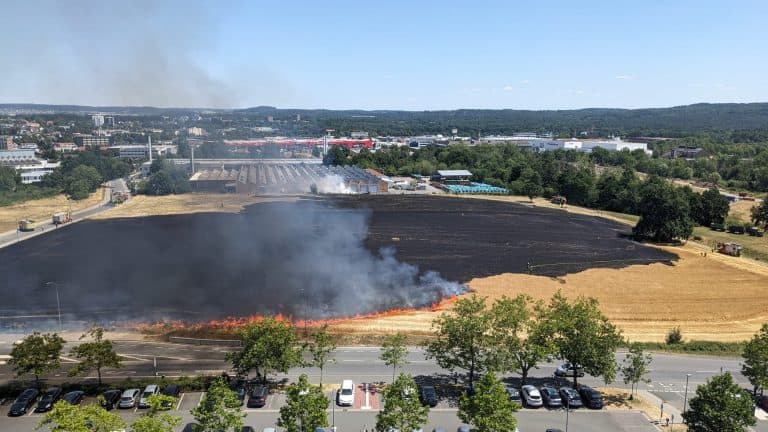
{"type": "Point", "coordinates": [10, 237]}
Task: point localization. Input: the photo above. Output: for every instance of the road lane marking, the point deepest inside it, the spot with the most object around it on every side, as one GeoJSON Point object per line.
{"type": "Point", "coordinates": [178, 405]}
{"type": "Point", "coordinates": [202, 395]}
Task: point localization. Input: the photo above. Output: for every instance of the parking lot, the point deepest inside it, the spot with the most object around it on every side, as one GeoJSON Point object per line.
{"type": "Point", "coordinates": [361, 415]}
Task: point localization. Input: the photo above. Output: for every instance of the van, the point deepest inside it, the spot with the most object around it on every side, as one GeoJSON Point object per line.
{"type": "Point", "coordinates": [346, 394]}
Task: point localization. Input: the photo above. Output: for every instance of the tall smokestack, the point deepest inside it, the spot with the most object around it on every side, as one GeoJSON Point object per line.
{"type": "Point", "coordinates": [149, 148]}
{"type": "Point", "coordinates": [192, 158]}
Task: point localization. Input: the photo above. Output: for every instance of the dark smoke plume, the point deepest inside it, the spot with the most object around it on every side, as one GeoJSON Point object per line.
{"type": "Point", "coordinates": [304, 259]}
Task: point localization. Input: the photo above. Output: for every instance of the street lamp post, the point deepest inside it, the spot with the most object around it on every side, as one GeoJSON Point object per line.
{"type": "Point", "coordinates": [685, 398]}
{"type": "Point", "coordinates": [58, 300]}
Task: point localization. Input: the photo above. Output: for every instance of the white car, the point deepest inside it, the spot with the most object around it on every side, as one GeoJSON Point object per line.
{"type": "Point", "coordinates": [346, 394]}
{"type": "Point", "coordinates": [531, 396]}
{"type": "Point", "coordinates": [566, 370]}
{"type": "Point", "coordinates": [129, 397]}
{"type": "Point", "coordinates": [149, 391]}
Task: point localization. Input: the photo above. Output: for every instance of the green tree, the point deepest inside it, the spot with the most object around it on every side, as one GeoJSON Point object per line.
{"type": "Point", "coordinates": [720, 405]}
{"type": "Point", "coordinates": [517, 336]}
{"type": "Point", "coordinates": [635, 366]}
{"type": "Point", "coordinates": [759, 214]}
{"type": "Point", "coordinates": [37, 354]}
{"type": "Point", "coordinates": [78, 189]}
{"type": "Point", "coordinates": [337, 155]}
{"type": "Point", "coordinates": [159, 423]}
{"type": "Point", "coordinates": [755, 366]}
{"type": "Point", "coordinates": [80, 418]}
{"type": "Point", "coordinates": [97, 354]}
{"type": "Point", "coordinates": [490, 409]}
{"type": "Point", "coordinates": [9, 179]}
{"type": "Point", "coordinates": [305, 408]}
{"type": "Point", "coordinates": [664, 212]}
{"type": "Point", "coordinates": [320, 348]}
{"type": "Point", "coordinates": [220, 408]}
{"type": "Point", "coordinates": [155, 421]}
{"type": "Point", "coordinates": [714, 207]}
{"type": "Point", "coordinates": [402, 409]}
{"type": "Point", "coordinates": [531, 183]}
{"type": "Point", "coordinates": [394, 352]}
{"type": "Point", "coordinates": [582, 335]}
{"type": "Point", "coordinates": [159, 183]}
{"type": "Point", "coordinates": [269, 346]}
{"type": "Point", "coordinates": [461, 337]}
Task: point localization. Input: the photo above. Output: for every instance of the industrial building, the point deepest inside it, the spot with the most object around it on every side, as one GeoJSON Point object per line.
{"type": "Point", "coordinates": [91, 140]}
{"type": "Point", "coordinates": [139, 151]}
{"type": "Point", "coordinates": [270, 177]}
{"type": "Point", "coordinates": [31, 169]}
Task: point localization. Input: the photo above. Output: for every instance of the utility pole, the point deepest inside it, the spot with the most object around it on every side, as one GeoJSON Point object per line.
{"type": "Point", "coordinates": [685, 399]}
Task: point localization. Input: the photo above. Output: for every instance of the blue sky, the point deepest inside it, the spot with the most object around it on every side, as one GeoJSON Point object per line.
{"type": "Point", "coordinates": [385, 55]}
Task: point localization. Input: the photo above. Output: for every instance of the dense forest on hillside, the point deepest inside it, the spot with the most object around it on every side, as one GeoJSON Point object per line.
{"type": "Point", "coordinates": [672, 122]}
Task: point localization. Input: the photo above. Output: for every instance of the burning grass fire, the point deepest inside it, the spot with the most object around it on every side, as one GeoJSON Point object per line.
{"type": "Point", "coordinates": [229, 326]}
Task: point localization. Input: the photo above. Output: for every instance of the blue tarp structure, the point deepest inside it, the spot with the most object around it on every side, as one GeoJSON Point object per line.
{"type": "Point", "coordinates": [476, 188]}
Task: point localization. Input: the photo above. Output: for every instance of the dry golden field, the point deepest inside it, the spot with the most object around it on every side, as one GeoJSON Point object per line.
{"type": "Point", "coordinates": [42, 209]}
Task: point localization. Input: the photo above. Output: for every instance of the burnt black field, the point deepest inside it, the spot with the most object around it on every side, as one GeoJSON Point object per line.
{"type": "Point", "coordinates": [314, 258]}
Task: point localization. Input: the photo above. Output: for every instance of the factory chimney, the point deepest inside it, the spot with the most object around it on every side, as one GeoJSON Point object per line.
{"type": "Point", "coordinates": [149, 148]}
{"type": "Point", "coordinates": [192, 158]}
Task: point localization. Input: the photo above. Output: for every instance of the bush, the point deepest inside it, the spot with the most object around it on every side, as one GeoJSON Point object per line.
{"type": "Point", "coordinates": [675, 336]}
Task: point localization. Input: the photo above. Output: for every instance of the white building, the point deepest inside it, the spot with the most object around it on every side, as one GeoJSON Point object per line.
{"type": "Point", "coordinates": [31, 169]}
{"type": "Point", "coordinates": [196, 131]}
{"type": "Point", "coordinates": [139, 151]}
{"type": "Point", "coordinates": [98, 120]}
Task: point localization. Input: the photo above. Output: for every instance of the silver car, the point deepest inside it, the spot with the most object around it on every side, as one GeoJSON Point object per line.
{"type": "Point", "coordinates": [129, 398]}
{"type": "Point", "coordinates": [531, 396]}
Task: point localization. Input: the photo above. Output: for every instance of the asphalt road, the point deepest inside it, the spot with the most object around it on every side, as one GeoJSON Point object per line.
{"type": "Point", "coordinates": [361, 364]}
{"type": "Point", "coordinates": [11, 237]}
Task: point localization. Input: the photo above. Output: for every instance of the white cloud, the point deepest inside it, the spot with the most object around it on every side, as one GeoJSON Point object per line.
{"type": "Point", "coordinates": [624, 77]}
{"type": "Point", "coordinates": [508, 88]}
{"type": "Point", "coordinates": [525, 81]}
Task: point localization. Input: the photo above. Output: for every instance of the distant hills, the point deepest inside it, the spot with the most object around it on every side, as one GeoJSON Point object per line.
{"type": "Point", "coordinates": [672, 121]}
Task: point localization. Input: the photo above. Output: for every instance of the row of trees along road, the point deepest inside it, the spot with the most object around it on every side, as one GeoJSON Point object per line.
{"type": "Point", "coordinates": [516, 334]}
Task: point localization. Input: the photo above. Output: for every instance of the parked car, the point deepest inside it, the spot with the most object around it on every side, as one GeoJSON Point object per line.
{"type": "Point", "coordinates": [514, 394]}
{"type": "Point", "coordinates": [591, 397]}
{"type": "Point", "coordinates": [551, 397]}
{"type": "Point", "coordinates": [531, 396]}
{"type": "Point", "coordinates": [74, 397]}
{"type": "Point", "coordinates": [110, 399]}
{"type": "Point", "coordinates": [150, 390]}
{"type": "Point", "coordinates": [554, 430]}
{"type": "Point", "coordinates": [238, 386]}
{"type": "Point", "coordinates": [464, 428]}
{"type": "Point", "coordinates": [258, 397]}
{"type": "Point", "coordinates": [23, 402]}
{"type": "Point", "coordinates": [570, 397]}
{"type": "Point", "coordinates": [428, 396]}
{"type": "Point", "coordinates": [171, 390]}
{"type": "Point", "coordinates": [566, 370]}
{"type": "Point", "coordinates": [130, 398]}
{"type": "Point", "coordinates": [247, 429]}
{"type": "Point", "coordinates": [762, 402]}
{"type": "Point", "coordinates": [48, 399]}
{"type": "Point", "coordinates": [346, 394]}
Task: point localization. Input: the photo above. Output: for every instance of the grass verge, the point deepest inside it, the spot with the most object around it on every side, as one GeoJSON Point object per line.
{"type": "Point", "coordinates": [725, 349]}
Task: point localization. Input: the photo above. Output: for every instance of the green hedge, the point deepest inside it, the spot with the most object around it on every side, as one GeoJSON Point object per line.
{"type": "Point", "coordinates": [698, 347]}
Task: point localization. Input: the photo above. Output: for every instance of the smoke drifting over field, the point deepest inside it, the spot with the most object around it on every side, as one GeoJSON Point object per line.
{"type": "Point", "coordinates": [304, 259]}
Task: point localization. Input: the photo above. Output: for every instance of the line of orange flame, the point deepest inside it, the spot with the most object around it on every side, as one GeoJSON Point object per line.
{"type": "Point", "coordinates": [231, 324]}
